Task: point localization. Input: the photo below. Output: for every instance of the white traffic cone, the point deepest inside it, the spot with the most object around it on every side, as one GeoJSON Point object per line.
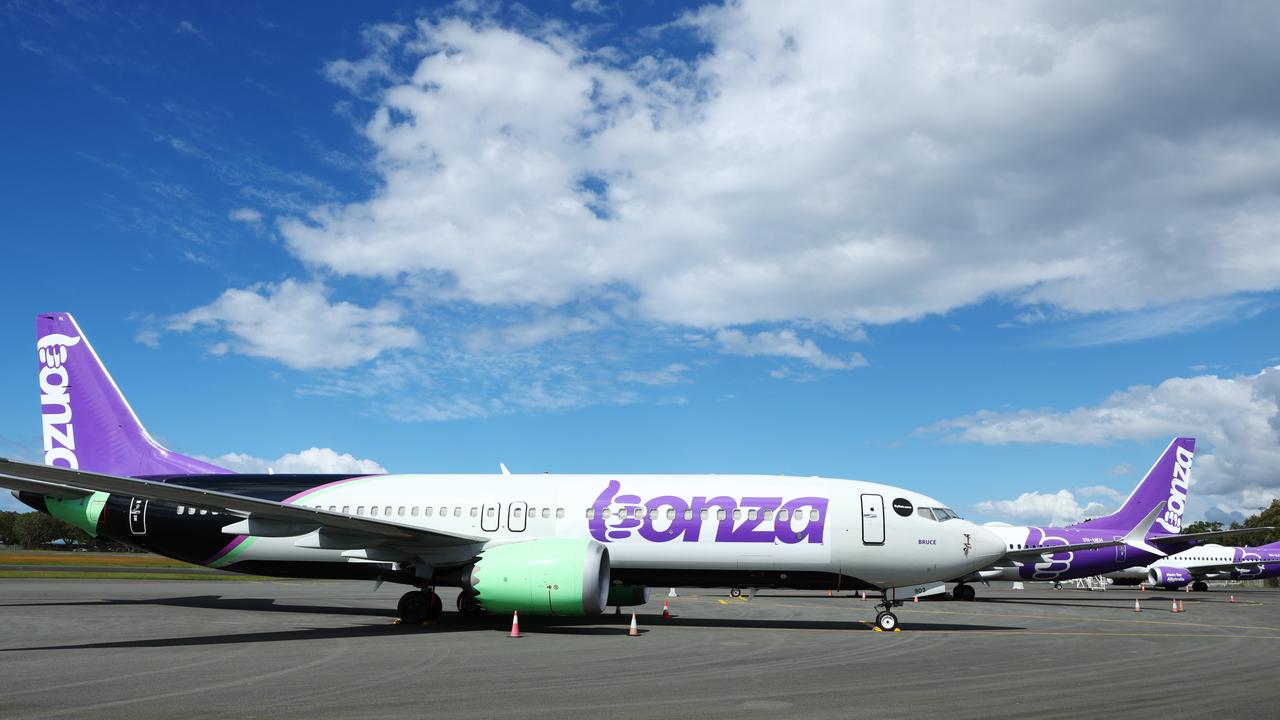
{"type": "Point", "coordinates": [862, 594]}
{"type": "Point", "coordinates": [634, 631]}
{"type": "Point", "coordinates": [1136, 606]}
{"type": "Point", "coordinates": [672, 593]}
{"type": "Point", "coordinates": [1232, 599]}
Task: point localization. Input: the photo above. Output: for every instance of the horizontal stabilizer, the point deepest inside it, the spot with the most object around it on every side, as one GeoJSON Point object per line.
{"type": "Point", "coordinates": [53, 490]}
{"type": "Point", "coordinates": [1216, 534]}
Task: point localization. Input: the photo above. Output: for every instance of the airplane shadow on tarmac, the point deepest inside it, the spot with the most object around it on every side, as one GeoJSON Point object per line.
{"type": "Point", "coordinates": [451, 623]}
{"type": "Point", "coordinates": [217, 602]}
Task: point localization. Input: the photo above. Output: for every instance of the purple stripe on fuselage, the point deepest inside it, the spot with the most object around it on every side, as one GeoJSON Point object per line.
{"type": "Point", "coordinates": [222, 553]}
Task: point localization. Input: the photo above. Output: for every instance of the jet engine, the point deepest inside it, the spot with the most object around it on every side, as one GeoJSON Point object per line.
{"type": "Point", "coordinates": [553, 576]}
{"type": "Point", "coordinates": [1169, 577]}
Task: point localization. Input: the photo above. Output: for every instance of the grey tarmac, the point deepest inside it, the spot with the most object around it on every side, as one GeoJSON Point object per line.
{"type": "Point", "coordinates": [308, 649]}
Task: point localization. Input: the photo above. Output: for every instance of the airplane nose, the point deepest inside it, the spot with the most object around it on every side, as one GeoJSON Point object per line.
{"type": "Point", "coordinates": [985, 547]}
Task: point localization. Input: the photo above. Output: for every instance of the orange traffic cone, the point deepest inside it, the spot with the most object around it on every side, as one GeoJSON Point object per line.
{"type": "Point", "coordinates": [515, 624]}
{"type": "Point", "coordinates": [828, 593]}
{"type": "Point", "coordinates": [1232, 599]}
{"type": "Point", "coordinates": [1142, 587]}
{"type": "Point", "coordinates": [634, 631]}
{"type": "Point", "coordinates": [1136, 606]}
{"type": "Point", "coordinates": [1175, 606]}
{"type": "Point", "coordinates": [1186, 588]}
{"type": "Point", "coordinates": [666, 611]}
{"type": "Point", "coordinates": [1182, 606]}
{"type": "Point", "coordinates": [915, 599]}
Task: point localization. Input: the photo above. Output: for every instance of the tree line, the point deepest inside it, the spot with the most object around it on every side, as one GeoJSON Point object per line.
{"type": "Point", "coordinates": [38, 530]}
{"type": "Point", "coordinates": [1266, 517]}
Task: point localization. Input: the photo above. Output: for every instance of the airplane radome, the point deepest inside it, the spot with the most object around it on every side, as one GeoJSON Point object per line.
{"type": "Point", "coordinates": [537, 544]}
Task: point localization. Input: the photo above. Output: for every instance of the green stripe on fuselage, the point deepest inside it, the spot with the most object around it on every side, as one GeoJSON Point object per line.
{"type": "Point", "coordinates": [82, 513]}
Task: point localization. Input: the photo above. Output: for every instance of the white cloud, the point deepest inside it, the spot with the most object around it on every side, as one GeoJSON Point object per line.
{"type": "Point", "coordinates": [669, 375]}
{"type": "Point", "coordinates": [246, 215]}
{"type": "Point", "coordinates": [1057, 509]}
{"type": "Point", "coordinates": [1120, 470]}
{"type": "Point", "coordinates": [295, 323]}
{"type": "Point", "coordinates": [784, 343]}
{"type": "Point", "coordinates": [872, 162]}
{"type": "Point", "coordinates": [1103, 490]}
{"type": "Point", "coordinates": [1235, 421]}
{"type": "Point", "coordinates": [311, 460]}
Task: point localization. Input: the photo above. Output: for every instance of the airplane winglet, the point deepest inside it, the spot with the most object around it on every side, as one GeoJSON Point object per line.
{"type": "Point", "coordinates": [1137, 537]}
{"type": "Point", "coordinates": [505, 471]}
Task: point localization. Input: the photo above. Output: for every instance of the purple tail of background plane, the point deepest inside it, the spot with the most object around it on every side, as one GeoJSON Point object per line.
{"type": "Point", "coordinates": [86, 421]}
{"type": "Point", "coordinates": [1165, 482]}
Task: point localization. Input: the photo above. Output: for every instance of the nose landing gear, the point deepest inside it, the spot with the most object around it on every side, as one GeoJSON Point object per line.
{"type": "Point", "coordinates": [419, 606]}
{"type": "Point", "coordinates": [886, 621]}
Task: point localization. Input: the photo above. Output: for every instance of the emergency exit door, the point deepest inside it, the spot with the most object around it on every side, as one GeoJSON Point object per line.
{"type": "Point", "coordinates": [872, 520]}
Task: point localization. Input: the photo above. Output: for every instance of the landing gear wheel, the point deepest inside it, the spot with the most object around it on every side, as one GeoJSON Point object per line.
{"type": "Point", "coordinates": [887, 621]}
{"type": "Point", "coordinates": [468, 606]}
{"type": "Point", "coordinates": [735, 592]}
{"type": "Point", "coordinates": [964, 592]}
{"type": "Point", "coordinates": [414, 607]}
{"type": "Point", "coordinates": [435, 608]}
{"type": "Point", "coordinates": [1199, 586]}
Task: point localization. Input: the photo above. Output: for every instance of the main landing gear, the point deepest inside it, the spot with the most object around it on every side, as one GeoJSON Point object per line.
{"type": "Point", "coordinates": [419, 606]}
{"type": "Point", "coordinates": [1199, 586]}
{"type": "Point", "coordinates": [964, 592]}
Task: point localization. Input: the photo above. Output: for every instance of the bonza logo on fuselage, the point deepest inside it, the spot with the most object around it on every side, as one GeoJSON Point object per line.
{"type": "Point", "coordinates": [54, 381]}
{"type": "Point", "coordinates": [1171, 520]}
{"type": "Point", "coordinates": [666, 517]}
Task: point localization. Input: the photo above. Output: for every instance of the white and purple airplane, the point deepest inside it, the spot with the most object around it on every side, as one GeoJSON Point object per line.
{"type": "Point", "coordinates": [1197, 566]}
{"type": "Point", "coordinates": [1149, 521]}
{"type": "Point", "coordinates": [540, 544]}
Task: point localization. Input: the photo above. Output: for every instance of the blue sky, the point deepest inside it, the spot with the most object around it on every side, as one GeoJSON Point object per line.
{"type": "Point", "coordinates": [1000, 254]}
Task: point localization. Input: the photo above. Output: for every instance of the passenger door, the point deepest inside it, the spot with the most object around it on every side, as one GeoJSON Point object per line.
{"type": "Point", "coordinates": [872, 520]}
{"type": "Point", "coordinates": [516, 513]}
{"type": "Point", "coordinates": [491, 517]}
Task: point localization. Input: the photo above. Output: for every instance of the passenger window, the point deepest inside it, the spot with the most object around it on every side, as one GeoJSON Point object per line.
{"type": "Point", "coordinates": [426, 511]}
{"type": "Point", "coordinates": [605, 513]}
{"type": "Point", "coordinates": [751, 514]}
{"type": "Point", "coordinates": [720, 514]}
{"type": "Point", "coordinates": [591, 513]}
{"type": "Point", "coordinates": [457, 512]}
{"type": "Point", "coordinates": [444, 512]}
{"type": "Point", "coordinates": [517, 512]}
{"type": "Point", "coordinates": [703, 515]}
{"type": "Point", "coordinates": [737, 514]}
{"type": "Point", "coordinates": [815, 515]}
{"type": "Point", "coordinates": [782, 515]}
{"type": "Point", "coordinates": [546, 513]}
{"type": "Point", "coordinates": [346, 509]}
{"type": "Point", "coordinates": [373, 511]}
{"type": "Point", "coordinates": [768, 513]}
{"type": "Point", "coordinates": [653, 513]}
{"type": "Point", "coordinates": [671, 513]}
{"type": "Point", "coordinates": [180, 509]}
{"type": "Point", "coordinates": [413, 511]}
{"type": "Point", "coordinates": [203, 511]}
{"type": "Point", "coordinates": [488, 512]}
{"type": "Point", "coordinates": [688, 514]}
{"type": "Point", "coordinates": [475, 512]}
{"type": "Point", "coordinates": [359, 509]}
{"type": "Point", "coordinates": [387, 510]}
{"type": "Point", "coordinates": [559, 512]}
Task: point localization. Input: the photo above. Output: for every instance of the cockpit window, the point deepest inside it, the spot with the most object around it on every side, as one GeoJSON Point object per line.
{"type": "Point", "coordinates": [945, 514]}
{"type": "Point", "coordinates": [925, 513]}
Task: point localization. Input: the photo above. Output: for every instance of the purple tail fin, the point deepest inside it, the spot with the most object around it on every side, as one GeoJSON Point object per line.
{"type": "Point", "coordinates": [1166, 482]}
{"type": "Point", "coordinates": [86, 421]}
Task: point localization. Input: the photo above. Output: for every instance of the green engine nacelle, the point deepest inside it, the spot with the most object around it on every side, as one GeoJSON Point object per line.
{"type": "Point", "coordinates": [543, 577]}
{"type": "Point", "coordinates": [627, 595]}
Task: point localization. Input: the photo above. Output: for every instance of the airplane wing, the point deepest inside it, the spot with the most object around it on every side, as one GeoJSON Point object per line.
{"type": "Point", "coordinates": [1175, 539]}
{"type": "Point", "coordinates": [1036, 552]}
{"type": "Point", "coordinates": [1200, 570]}
{"type": "Point", "coordinates": [1135, 539]}
{"type": "Point", "coordinates": [261, 517]}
